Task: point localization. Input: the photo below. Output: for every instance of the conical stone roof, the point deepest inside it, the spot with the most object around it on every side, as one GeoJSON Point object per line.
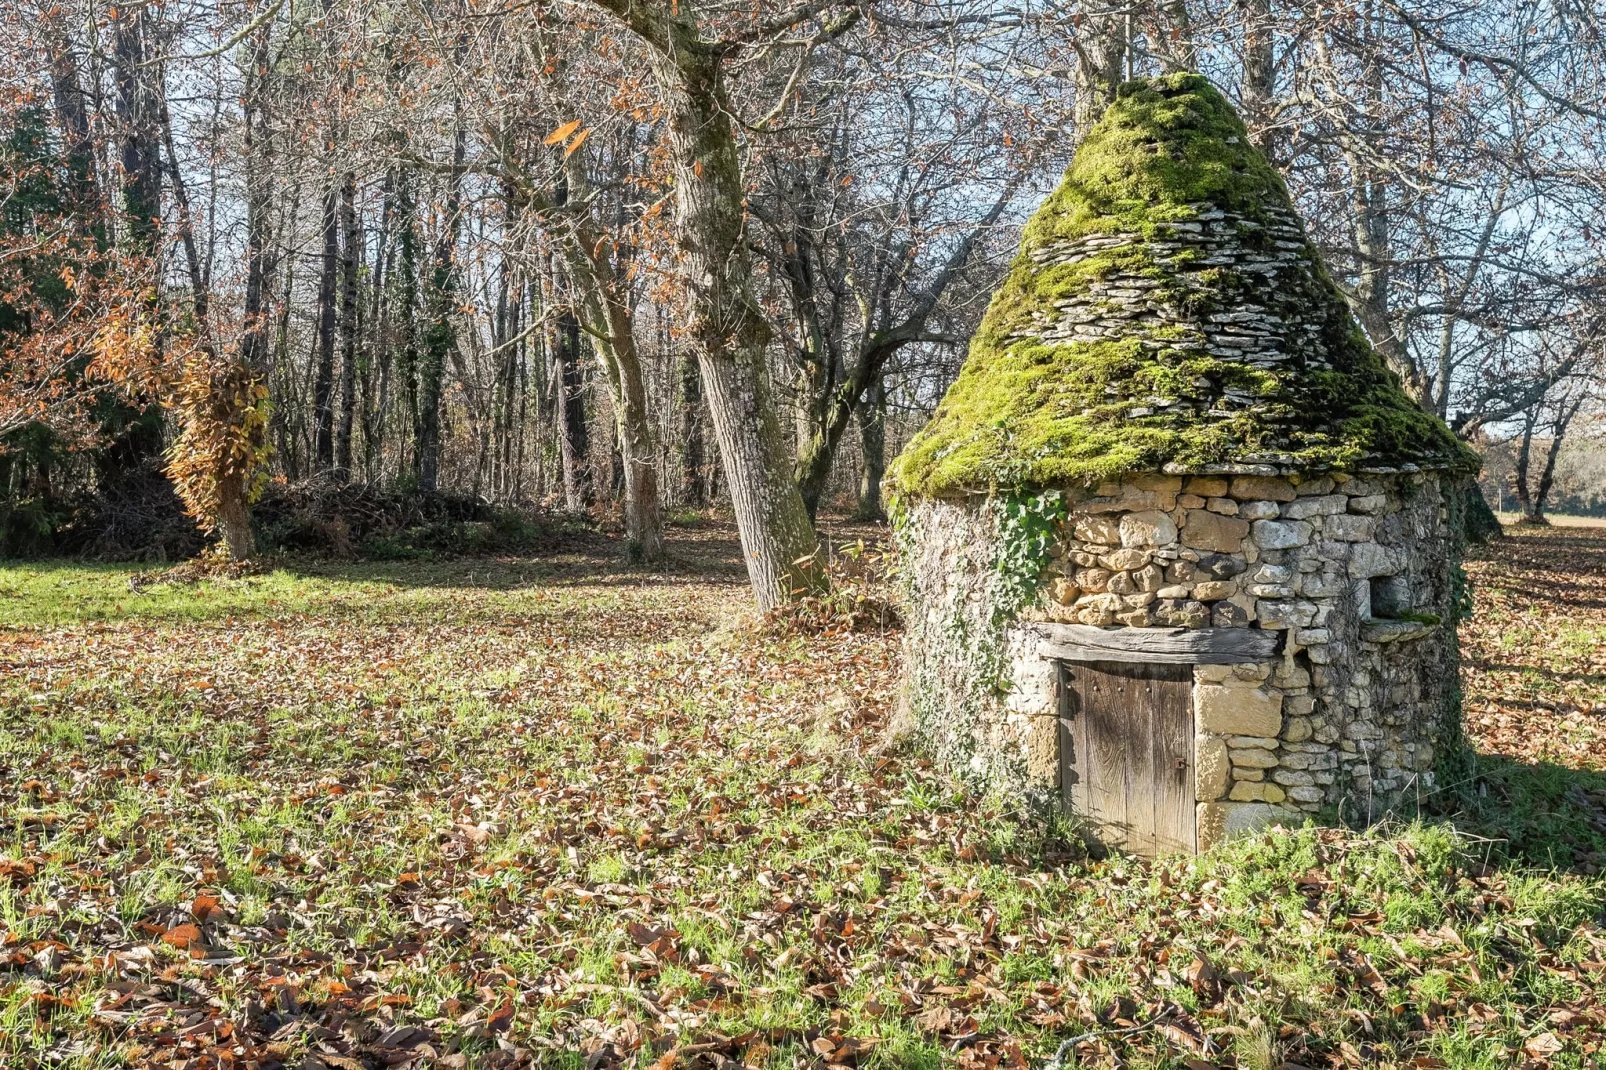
{"type": "Point", "coordinates": [1168, 312]}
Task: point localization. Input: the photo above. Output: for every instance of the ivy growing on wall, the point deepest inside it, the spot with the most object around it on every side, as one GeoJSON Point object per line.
{"type": "Point", "coordinates": [1026, 535]}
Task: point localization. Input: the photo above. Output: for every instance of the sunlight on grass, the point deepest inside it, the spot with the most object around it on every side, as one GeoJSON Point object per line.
{"type": "Point", "coordinates": [573, 817]}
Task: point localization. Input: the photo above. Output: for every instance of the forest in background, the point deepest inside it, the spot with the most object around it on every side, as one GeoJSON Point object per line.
{"type": "Point", "coordinates": [633, 257]}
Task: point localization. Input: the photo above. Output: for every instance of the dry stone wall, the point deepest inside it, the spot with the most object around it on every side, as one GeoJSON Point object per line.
{"type": "Point", "coordinates": [1351, 571]}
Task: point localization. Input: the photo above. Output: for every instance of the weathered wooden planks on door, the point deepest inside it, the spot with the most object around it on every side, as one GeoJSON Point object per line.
{"type": "Point", "coordinates": [1126, 753]}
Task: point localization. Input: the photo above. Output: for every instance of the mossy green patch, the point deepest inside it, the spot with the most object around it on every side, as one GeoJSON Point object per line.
{"type": "Point", "coordinates": [1035, 406]}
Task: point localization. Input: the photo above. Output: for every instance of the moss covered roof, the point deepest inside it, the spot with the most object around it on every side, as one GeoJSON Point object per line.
{"type": "Point", "coordinates": [1166, 308]}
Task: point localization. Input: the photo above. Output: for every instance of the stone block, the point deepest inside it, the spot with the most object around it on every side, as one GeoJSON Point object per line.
{"type": "Point", "coordinates": [1261, 510]}
{"type": "Point", "coordinates": [1190, 501]}
{"type": "Point", "coordinates": [1181, 613]}
{"type": "Point", "coordinates": [1147, 528]}
{"type": "Point", "coordinates": [1099, 616]}
{"type": "Point", "coordinates": [1178, 591]}
{"type": "Point", "coordinates": [1369, 559]}
{"type": "Point", "coordinates": [1347, 528]}
{"type": "Point", "coordinates": [1326, 585]}
{"type": "Point", "coordinates": [1297, 728]}
{"type": "Point", "coordinates": [1211, 674]}
{"type": "Point", "coordinates": [1121, 583]}
{"type": "Point", "coordinates": [1285, 614]}
{"type": "Point", "coordinates": [1269, 573]}
{"type": "Point", "coordinates": [1224, 506]}
{"type": "Point", "coordinates": [1206, 486]}
{"type": "Point", "coordinates": [1317, 486]}
{"type": "Point", "coordinates": [1253, 758]}
{"type": "Point", "coordinates": [1240, 772]}
{"type": "Point", "coordinates": [1306, 795]}
{"type": "Point", "coordinates": [1292, 778]}
{"type": "Point", "coordinates": [1281, 534]}
{"type": "Point", "coordinates": [1262, 742]}
{"type": "Point", "coordinates": [1325, 505]}
{"type": "Point", "coordinates": [1246, 488]}
{"type": "Point", "coordinates": [1270, 590]}
{"type": "Point", "coordinates": [1219, 822]}
{"type": "Point", "coordinates": [1214, 590]}
{"type": "Point", "coordinates": [1124, 560]}
{"type": "Point", "coordinates": [1144, 492]}
{"type": "Point", "coordinates": [1064, 592]}
{"type": "Point", "coordinates": [1290, 675]}
{"type": "Point", "coordinates": [1149, 578]}
{"type": "Point", "coordinates": [1368, 503]}
{"type": "Point", "coordinates": [1043, 751]}
{"type": "Point", "coordinates": [1102, 530]}
{"type": "Point", "coordinates": [1155, 483]}
{"type": "Point", "coordinates": [1092, 580]}
{"type": "Point", "coordinates": [1238, 708]}
{"type": "Point", "coordinates": [1203, 530]}
{"type": "Point", "coordinates": [1211, 768]}
{"type": "Point", "coordinates": [1222, 566]}
{"type": "Point", "coordinates": [1229, 615]}
{"type": "Point", "coordinates": [1250, 791]}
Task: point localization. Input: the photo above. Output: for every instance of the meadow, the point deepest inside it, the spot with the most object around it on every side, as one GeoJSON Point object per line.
{"type": "Point", "coordinates": [560, 812]}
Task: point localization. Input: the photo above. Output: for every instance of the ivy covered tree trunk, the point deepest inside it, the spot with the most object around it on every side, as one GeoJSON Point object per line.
{"type": "Point", "coordinates": [439, 335]}
{"type": "Point", "coordinates": [234, 519]}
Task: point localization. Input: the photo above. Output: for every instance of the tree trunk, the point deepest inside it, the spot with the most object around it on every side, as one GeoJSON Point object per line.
{"type": "Point", "coordinates": [323, 448]}
{"type": "Point", "coordinates": [693, 466]}
{"type": "Point", "coordinates": [254, 332]}
{"type": "Point", "coordinates": [605, 300]}
{"type": "Point", "coordinates": [138, 129]}
{"type": "Point", "coordinates": [873, 437]}
{"type": "Point", "coordinates": [72, 116]}
{"type": "Point", "coordinates": [1101, 57]}
{"type": "Point", "coordinates": [1259, 75]}
{"type": "Point", "coordinates": [1558, 434]}
{"type": "Point", "coordinates": [234, 519]}
{"type": "Point", "coordinates": [440, 337]}
{"type": "Point", "coordinates": [644, 527]}
{"type": "Point", "coordinates": [1524, 451]}
{"type": "Point", "coordinates": [574, 446]}
{"type": "Point", "coordinates": [350, 259]}
{"type": "Point", "coordinates": [407, 301]}
{"type": "Point", "coordinates": [727, 329]}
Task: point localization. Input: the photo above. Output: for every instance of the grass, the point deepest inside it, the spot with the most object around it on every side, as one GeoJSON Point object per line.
{"type": "Point", "coordinates": [552, 812]}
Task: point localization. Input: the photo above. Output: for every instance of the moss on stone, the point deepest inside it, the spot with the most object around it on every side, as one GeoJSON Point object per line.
{"type": "Point", "coordinates": [1030, 411]}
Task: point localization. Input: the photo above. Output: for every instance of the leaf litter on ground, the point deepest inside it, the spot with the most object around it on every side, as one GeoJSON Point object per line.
{"type": "Point", "coordinates": [510, 813]}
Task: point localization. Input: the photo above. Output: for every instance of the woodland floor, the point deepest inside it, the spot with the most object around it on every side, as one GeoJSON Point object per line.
{"type": "Point", "coordinates": [552, 811]}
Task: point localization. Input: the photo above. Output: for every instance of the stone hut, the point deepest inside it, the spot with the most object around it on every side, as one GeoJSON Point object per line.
{"type": "Point", "coordinates": [1180, 552]}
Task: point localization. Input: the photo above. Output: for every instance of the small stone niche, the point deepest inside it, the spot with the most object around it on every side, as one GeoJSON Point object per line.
{"type": "Point", "coordinates": [1180, 553]}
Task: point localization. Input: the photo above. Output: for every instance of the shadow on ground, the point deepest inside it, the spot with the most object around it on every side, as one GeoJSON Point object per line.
{"type": "Point", "coordinates": [1538, 814]}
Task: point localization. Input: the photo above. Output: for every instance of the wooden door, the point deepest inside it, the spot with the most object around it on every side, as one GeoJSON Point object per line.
{"type": "Point", "coordinates": [1126, 753]}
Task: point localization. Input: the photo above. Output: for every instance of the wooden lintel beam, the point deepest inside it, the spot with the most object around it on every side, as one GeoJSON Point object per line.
{"type": "Point", "coordinates": [1184, 646]}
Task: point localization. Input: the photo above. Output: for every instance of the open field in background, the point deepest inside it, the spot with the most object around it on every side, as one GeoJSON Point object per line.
{"type": "Point", "coordinates": [510, 812]}
{"type": "Point", "coordinates": [1559, 521]}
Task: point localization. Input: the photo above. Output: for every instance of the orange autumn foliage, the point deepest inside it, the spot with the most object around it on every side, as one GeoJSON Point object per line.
{"type": "Point", "coordinates": [218, 458]}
